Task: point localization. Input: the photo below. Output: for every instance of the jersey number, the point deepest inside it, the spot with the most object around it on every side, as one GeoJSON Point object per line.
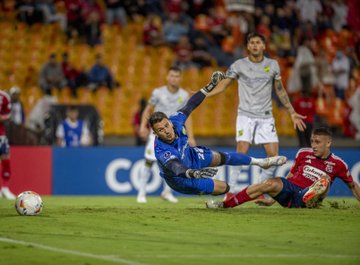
{"type": "Point", "coordinates": [200, 153]}
{"type": "Point", "coordinates": [273, 127]}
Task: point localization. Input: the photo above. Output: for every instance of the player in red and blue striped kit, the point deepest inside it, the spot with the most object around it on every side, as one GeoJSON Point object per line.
{"type": "Point", "coordinates": [308, 181]}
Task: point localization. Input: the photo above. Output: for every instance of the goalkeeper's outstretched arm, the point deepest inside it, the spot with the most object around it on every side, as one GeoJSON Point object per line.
{"type": "Point", "coordinates": [199, 96]}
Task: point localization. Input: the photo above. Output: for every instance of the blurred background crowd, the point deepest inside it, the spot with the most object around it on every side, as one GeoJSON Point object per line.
{"type": "Point", "coordinates": [110, 54]}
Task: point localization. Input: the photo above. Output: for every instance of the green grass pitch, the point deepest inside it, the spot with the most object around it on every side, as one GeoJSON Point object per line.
{"type": "Point", "coordinates": [117, 230]}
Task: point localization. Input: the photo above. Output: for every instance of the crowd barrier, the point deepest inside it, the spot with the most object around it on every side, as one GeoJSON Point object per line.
{"type": "Point", "coordinates": [115, 170]}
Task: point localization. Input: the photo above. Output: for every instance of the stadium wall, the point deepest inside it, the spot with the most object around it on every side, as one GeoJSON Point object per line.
{"type": "Point", "coordinates": [114, 170]}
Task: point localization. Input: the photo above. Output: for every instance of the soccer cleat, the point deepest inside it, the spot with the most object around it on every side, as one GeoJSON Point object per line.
{"type": "Point", "coordinates": [316, 190]}
{"type": "Point", "coordinates": [7, 194]}
{"type": "Point", "coordinates": [273, 161]}
{"type": "Point", "coordinates": [141, 198]}
{"type": "Point", "coordinates": [167, 196]}
{"type": "Point", "coordinates": [212, 204]}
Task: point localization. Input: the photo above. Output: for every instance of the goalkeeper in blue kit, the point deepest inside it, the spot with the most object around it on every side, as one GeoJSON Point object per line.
{"type": "Point", "coordinates": [190, 170]}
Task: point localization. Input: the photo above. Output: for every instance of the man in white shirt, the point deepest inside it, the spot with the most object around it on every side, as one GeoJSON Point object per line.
{"type": "Point", "coordinates": [168, 99]}
{"type": "Point", "coordinates": [341, 69]}
{"type": "Point", "coordinates": [257, 76]}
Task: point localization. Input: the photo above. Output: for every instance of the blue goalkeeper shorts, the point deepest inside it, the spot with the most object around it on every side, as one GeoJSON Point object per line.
{"type": "Point", "coordinates": [191, 186]}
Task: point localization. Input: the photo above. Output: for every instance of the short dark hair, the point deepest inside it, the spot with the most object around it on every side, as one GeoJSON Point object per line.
{"type": "Point", "coordinates": [175, 68]}
{"type": "Point", "coordinates": [156, 117]}
{"type": "Point", "coordinates": [72, 108]}
{"type": "Point", "coordinates": [322, 130]}
{"type": "Point", "coordinates": [254, 35]}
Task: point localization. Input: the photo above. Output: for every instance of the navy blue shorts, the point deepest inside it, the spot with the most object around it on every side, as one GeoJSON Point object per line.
{"type": "Point", "coordinates": [291, 195]}
{"type": "Point", "coordinates": [4, 146]}
{"type": "Point", "coordinates": [191, 186]}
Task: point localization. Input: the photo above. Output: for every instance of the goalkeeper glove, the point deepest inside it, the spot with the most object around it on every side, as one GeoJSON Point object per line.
{"type": "Point", "coordinates": [201, 173]}
{"type": "Point", "coordinates": [216, 77]}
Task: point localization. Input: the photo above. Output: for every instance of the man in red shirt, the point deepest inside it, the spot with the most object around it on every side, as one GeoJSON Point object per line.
{"type": "Point", "coordinates": [5, 111]}
{"type": "Point", "coordinates": [309, 179]}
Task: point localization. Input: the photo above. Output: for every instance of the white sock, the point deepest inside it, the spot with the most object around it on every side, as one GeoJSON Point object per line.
{"type": "Point", "coordinates": [145, 173]}
{"type": "Point", "coordinates": [266, 173]}
{"type": "Point", "coordinates": [166, 188]}
{"type": "Point", "coordinates": [257, 161]}
{"type": "Point", "coordinates": [233, 177]}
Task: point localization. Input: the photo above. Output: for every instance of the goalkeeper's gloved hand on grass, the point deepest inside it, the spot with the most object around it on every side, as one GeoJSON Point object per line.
{"type": "Point", "coordinates": [208, 172]}
{"type": "Point", "coordinates": [216, 77]}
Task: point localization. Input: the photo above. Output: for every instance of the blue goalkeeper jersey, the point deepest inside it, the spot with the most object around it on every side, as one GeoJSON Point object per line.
{"type": "Point", "coordinates": [191, 157]}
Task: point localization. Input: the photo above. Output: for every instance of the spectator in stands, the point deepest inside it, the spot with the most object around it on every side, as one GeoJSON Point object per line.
{"type": "Point", "coordinates": [309, 10]}
{"type": "Point", "coordinates": [264, 27]}
{"type": "Point", "coordinates": [100, 75]}
{"type": "Point", "coordinates": [291, 18]}
{"type": "Point", "coordinates": [17, 108]}
{"type": "Point", "coordinates": [183, 51]}
{"type": "Point", "coordinates": [324, 69]}
{"type": "Point", "coordinates": [51, 75]}
{"type": "Point", "coordinates": [341, 69]}
{"type": "Point", "coordinates": [75, 22]}
{"type": "Point", "coordinates": [354, 102]}
{"type": "Point", "coordinates": [340, 14]}
{"type": "Point", "coordinates": [27, 12]}
{"type": "Point", "coordinates": [325, 18]}
{"type": "Point", "coordinates": [49, 13]}
{"type": "Point", "coordinates": [154, 7]}
{"type": "Point", "coordinates": [196, 7]}
{"type": "Point", "coordinates": [40, 111]}
{"type": "Point", "coordinates": [306, 106]}
{"type": "Point", "coordinates": [152, 33]}
{"type": "Point", "coordinates": [115, 12]}
{"type": "Point", "coordinates": [304, 74]}
{"type": "Point", "coordinates": [74, 78]}
{"type": "Point", "coordinates": [174, 29]}
{"type": "Point", "coordinates": [93, 16]}
{"type": "Point", "coordinates": [200, 55]}
{"type": "Point", "coordinates": [73, 132]}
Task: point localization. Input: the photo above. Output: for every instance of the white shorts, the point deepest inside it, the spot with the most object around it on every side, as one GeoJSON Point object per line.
{"type": "Point", "coordinates": [259, 131]}
{"type": "Point", "coordinates": [149, 153]}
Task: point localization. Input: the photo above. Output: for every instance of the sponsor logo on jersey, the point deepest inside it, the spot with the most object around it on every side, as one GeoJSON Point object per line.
{"type": "Point", "coordinates": [167, 154]}
{"type": "Point", "coordinates": [183, 131]}
{"type": "Point", "coordinates": [309, 156]}
{"type": "Point", "coordinates": [267, 69]}
{"type": "Point", "coordinates": [180, 100]}
{"type": "Point", "coordinates": [240, 132]}
{"type": "Point", "coordinates": [312, 173]}
{"type": "Point", "coordinates": [308, 161]}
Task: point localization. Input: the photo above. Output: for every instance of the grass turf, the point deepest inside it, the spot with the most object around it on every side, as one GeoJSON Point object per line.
{"type": "Point", "coordinates": [117, 230]}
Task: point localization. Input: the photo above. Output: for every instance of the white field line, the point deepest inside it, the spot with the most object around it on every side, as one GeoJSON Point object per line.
{"type": "Point", "coordinates": [119, 260]}
{"type": "Point", "coordinates": [240, 255]}
{"type": "Point", "coordinates": [115, 259]}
